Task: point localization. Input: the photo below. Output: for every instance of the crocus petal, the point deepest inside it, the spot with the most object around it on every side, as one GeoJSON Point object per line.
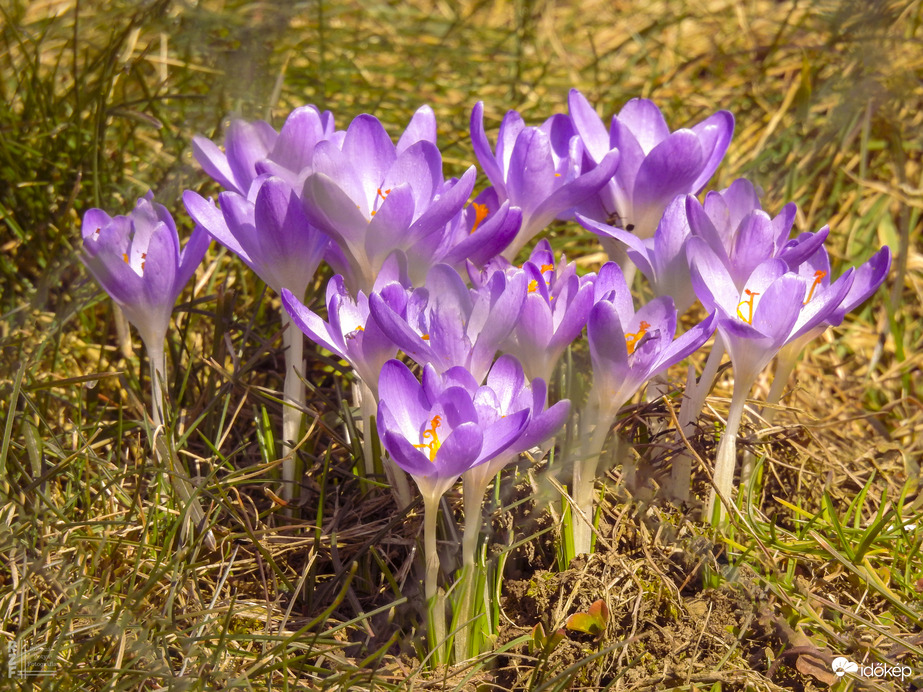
{"type": "Point", "coordinates": [422, 128]}
{"type": "Point", "coordinates": [646, 123]}
{"type": "Point", "coordinates": [370, 149]}
{"type": "Point", "coordinates": [714, 134]}
{"type": "Point", "coordinates": [592, 131]}
{"type": "Point", "coordinates": [483, 151]}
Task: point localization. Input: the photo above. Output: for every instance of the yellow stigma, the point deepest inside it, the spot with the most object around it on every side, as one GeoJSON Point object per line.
{"type": "Point", "coordinates": [480, 213]}
{"type": "Point", "coordinates": [433, 445]}
{"type": "Point", "coordinates": [818, 277]}
{"type": "Point", "coordinates": [533, 286]}
{"type": "Point", "coordinates": [125, 258]}
{"type": "Point", "coordinates": [547, 268]}
{"type": "Point", "coordinates": [425, 337]}
{"type": "Point", "coordinates": [355, 332]}
{"type": "Point", "coordinates": [749, 303]}
{"type": "Point", "coordinates": [632, 340]}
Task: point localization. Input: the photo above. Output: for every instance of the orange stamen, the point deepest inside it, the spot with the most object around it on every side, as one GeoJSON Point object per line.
{"type": "Point", "coordinates": [632, 340]}
{"type": "Point", "coordinates": [355, 332]}
{"type": "Point", "coordinates": [480, 213]}
{"type": "Point", "coordinates": [125, 258]}
{"type": "Point", "coordinates": [425, 337]}
{"type": "Point", "coordinates": [384, 194]}
{"type": "Point", "coordinates": [547, 268]}
{"type": "Point", "coordinates": [749, 303]}
{"type": "Point", "coordinates": [143, 258]}
{"type": "Point", "coordinates": [533, 286]}
{"type": "Point", "coordinates": [433, 445]}
{"type": "Point", "coordinates": [818, 277]}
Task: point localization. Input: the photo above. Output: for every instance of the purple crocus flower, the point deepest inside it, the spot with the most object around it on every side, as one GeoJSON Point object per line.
{"type": "Point", "coordinates": [538, 169]}
{"type": "Point", "coordinates": [372, 197]}
{"type": "Point", "coordinates": [662, 259]}
{"type": "Point", "coordinates": [816, 272]}
{"type": "Point", "coordinates": [138, 261]}
{"type": "Point", "coordinates": [742, 235]}
{"type": "Point", "coordinates": [775, 307]}
{"type": "Point", "coordinates": [439, 429]}
{"type": "Point", "coordinates": [352, 333]}
{"type": "Point", "coordinates": [628, 348]}
{"type": "Point", "coordinates": [556, 307]}
{"type": "Point", "coordinates": [447, 324]}
{"type": "Point", "coordinates": [267, 229]}
{"type": "Point", "coordinates": [655, 165]}
{"type": "Point", "coordinates": [477, 234]}
{"type": "Point", "coordinates": [255, 148]}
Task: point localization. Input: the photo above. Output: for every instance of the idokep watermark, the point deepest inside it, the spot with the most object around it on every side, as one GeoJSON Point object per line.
{"type": "Point", "coordinates": [841, 666]}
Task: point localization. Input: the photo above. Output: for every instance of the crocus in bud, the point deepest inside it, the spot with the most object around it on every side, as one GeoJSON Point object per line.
{"type": "Point", "coordinates": [267, 229]}
{"type": "Point", "coordinates": [138, 261]}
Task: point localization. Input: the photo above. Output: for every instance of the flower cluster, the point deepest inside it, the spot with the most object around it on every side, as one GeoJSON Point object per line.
{"type": "Point", "coordinates": [423, 275]}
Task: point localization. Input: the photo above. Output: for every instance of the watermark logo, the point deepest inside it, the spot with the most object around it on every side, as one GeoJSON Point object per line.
{"type": "Point", "coordinates": [841, 666]}
{"type": "Point", "coordinates": [24, 661]}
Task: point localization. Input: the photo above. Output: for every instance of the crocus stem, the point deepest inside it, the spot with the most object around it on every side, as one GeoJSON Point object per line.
{"type": "Point", "coordinates": [158, 362]}
{"type": "Point", "coordinates": [727, 451]}
{"type": "Point", "coordinates": [293, 397]}
{"type": "Point", "coordinates": [689, 410]}
{"type": "Point", "coordinates": [431, 558]}
{"type": "Point", "coordinates": [367, 409]}
{"type": "Point", "coordinates": [164, 452]}
{"type": "Point", "coordinates": [786, 360]}
{"type": "Point", "coordinates": [474, 486]}
{"type": "Point", "coordinates": [585, 475]}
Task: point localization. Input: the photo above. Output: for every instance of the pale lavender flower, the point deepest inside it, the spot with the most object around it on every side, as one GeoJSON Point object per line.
{"type": "Point", "coordinates": [662, 258]}
{"type": "Point", "coordinates": [447, 324]}
{"type": "Point", "coordinates": [628, 348]}
{"type": "Point", "coordinates": [742, 235]}
{"type": "Point", "coordinates": [350, 331]}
